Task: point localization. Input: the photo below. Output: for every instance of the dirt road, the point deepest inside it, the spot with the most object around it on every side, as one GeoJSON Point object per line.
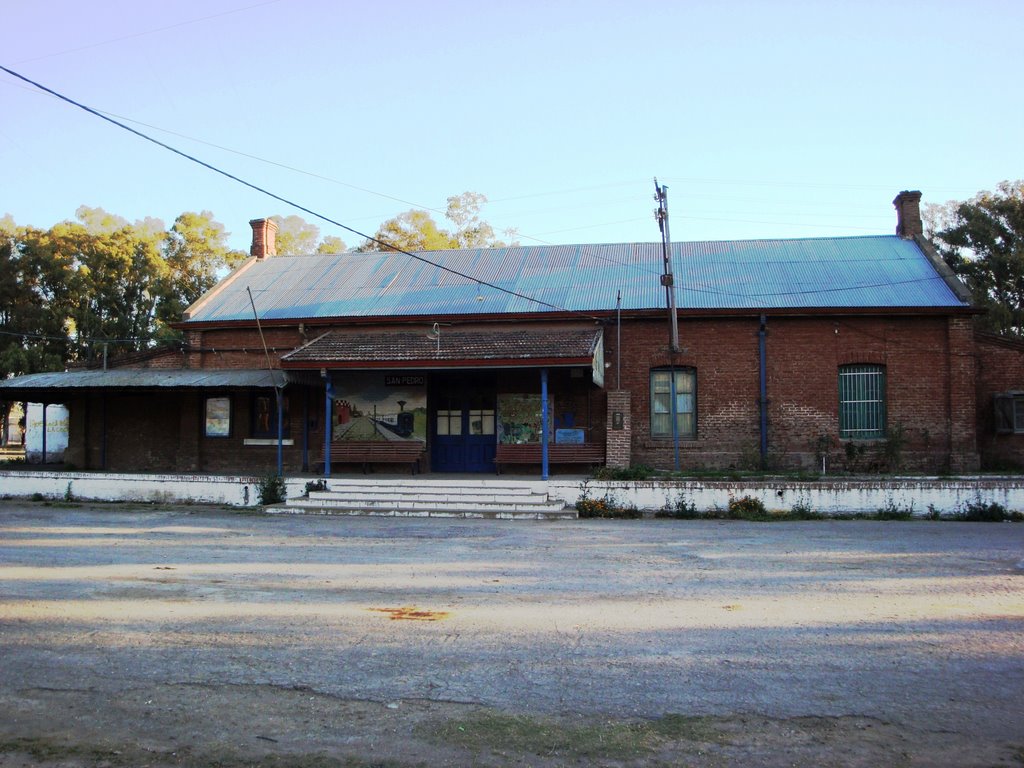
{"type": "Point", "coordinates": [166, 637]}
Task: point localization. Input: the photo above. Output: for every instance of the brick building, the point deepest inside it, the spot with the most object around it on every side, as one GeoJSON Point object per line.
{"type": "Point", "coordinates": [854, 352]}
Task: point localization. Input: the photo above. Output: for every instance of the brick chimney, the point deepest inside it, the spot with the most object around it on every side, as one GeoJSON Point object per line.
{"type": "Point", "coordinates": [908, 215]}
{"type": "Point", "coordinates": [264, 238]}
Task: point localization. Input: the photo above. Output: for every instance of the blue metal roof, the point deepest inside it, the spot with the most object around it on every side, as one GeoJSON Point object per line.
{"type": "Point", "coordinates": [825, 273]}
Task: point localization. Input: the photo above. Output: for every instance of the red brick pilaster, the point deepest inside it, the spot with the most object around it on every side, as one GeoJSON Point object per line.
{"type": "Point", "coordinates": [963, 433]}
{"type": "Point", "coordinates": [619, 430]}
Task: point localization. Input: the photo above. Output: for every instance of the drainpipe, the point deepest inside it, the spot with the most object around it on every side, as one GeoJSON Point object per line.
{"type": "Point", "coordinates": [543, 423]}
{"type": "Point", "coordinates": [763, 400]}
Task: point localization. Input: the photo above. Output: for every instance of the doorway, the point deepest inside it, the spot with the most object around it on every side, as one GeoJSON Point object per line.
{"type": "Point", "coordinates": [463, 424]}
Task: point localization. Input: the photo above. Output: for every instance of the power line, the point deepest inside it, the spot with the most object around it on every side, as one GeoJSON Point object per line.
{"type": "Point", "coordinates": [286, 201]}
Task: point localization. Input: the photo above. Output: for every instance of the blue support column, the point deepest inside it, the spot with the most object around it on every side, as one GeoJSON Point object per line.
{"type": "Point", "coordinates": [280, 432]}
{"type": "Point", "coordinates": [328, 408]}
{"type": "Point", "coordinates": [544, 423]}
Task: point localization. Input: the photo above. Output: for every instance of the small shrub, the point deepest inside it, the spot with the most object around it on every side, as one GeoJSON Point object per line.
{"type": "Point", "coordinates": [802, 510]}
{"type": "Point", "coordinates": [747, 508]}
{"type": "Point", "coordinates": [893, 511]}
{"type": "Point", "coordinates": [979, 512]}
{"type": "Point", "coordinates": [933, 513]}
{"type": "Point", "coordinates": [605, 507]}
{"type": "Point", "coordinates": [639, 472]}
{"type": "Point", "coordinates": [68, 495]}
{"type": "Point", "coordinates": [678, 508]}
{"type": "Point", "coordinates": [316, 485]}
{"type": "Point", "coordinates": [38, 497]}
{"type": "Point", "coordinates": [271, 489]}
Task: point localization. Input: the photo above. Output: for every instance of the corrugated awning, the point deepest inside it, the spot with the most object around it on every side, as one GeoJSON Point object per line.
{"type": "Point", "coordinates": [52, 387]}
{"type": "Point", "coordinates": [447, 348]}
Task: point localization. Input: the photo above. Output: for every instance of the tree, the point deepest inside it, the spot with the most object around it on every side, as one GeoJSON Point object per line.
{"type": "Point", "coordinates": [195, 253]}
{"type": "Point", "coordinates": [331, 245]}
{"type": "Point", "coordinates": [295, 235]}
{"type": "Point", "coordinates": [982, 240]}
{"type": "Point", "coordinates": [416, 230]}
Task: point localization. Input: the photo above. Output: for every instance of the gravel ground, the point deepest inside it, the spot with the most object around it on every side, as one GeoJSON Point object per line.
{"type": "Point", "coordinates": [195, 636]}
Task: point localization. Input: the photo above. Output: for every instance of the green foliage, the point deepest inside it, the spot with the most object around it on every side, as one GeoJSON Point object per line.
{"type": "Point", "coordinates": [978, 511]}
{"type": "Point", "coordinates": [747, 508]}
{"type": "Point", "coordinates": [638, 472]}
{"type": "Point", "coordinates": [894, 511]}
{"type": "Point", "coordinates": [982, 240]}
{"type": "Point", "coordinates": [605, 507]}
{"type": "Point", "coordinates": [678, 507]}
{"type": "Point", "coordinates": [416, 230]}
{"type": "Point", "coordinates": [271, 489]}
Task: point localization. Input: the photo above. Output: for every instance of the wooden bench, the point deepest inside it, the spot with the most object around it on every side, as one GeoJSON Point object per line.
{"type": "Point", "coordinates": [367, 452]}
{"type": "Point", "coordinates": [530, 453]}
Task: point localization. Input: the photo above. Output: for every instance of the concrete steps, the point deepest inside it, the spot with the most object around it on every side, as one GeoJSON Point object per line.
{"type": "Point", "coordinates": [441, 497]}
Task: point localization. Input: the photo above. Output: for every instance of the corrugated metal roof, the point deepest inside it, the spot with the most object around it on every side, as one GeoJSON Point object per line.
{"type": "Point", "coordinates": [142, 378]}
{"type": "Point", "coordinates": [845, 272]}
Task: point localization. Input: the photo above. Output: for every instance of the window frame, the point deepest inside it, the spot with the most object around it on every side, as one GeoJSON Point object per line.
{"type": "Point", "coordinates": [682, 373]}
{"type": "Point", "coordinates": [1008, 412]}
{"type": "Point", "coordinates": [863, 401]}
{"type": "Point", "coordinates": [271, 432]}
{"type": "Point", "coordinates": [218, 434]}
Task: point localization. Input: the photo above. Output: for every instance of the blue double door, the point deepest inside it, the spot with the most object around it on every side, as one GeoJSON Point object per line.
{"type": "Point", "coordinates": [463, 424]}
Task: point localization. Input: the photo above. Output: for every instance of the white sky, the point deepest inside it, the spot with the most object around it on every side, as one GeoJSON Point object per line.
{"type": "Point", "coordinates": [765, 119]}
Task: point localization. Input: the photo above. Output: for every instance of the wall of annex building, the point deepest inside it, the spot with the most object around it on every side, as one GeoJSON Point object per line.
{"type": "Point", "coordinates": [930, 391]}
{"type": "Point", "coordinates": [1000, 372]}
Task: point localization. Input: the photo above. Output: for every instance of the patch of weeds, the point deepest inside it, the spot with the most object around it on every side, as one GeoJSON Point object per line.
{"type": "Point", "coordinates": [271, 489]}
{"type": "Point", "coordinates": [978, 511]}
{"type": "Point", "coordinates": [747, 508]}
{"type": "Point", "coordinates": [638, 472]}
{"type": "Point", "coordinates": [894, 511]}
{"type": "Point", "coordinates": [38, 497]}
{"type": "Point", "coordinates": [604, 507]}
{"type": "Point", "coordinates": [802, 510]}
{"type": "Point", "coordinates": [68, 495]}
{"type": "Point", "coordinates": [316, 485]}
{"type": "Point", "coordinates": [678, 507]}
{"type": "Point", "coordinates": [549, 737]}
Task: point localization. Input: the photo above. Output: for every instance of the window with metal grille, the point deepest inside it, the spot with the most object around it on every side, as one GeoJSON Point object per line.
{"type": "Point", "coordinates": [1009, 412]}
{"type": "Point", "coordinates": [862, 402]}
{"type": "Point", "coordinates": [686, 402]}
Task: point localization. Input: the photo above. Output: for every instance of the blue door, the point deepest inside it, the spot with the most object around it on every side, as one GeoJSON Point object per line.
{"type": "Point", "coordinates": [464, 431]}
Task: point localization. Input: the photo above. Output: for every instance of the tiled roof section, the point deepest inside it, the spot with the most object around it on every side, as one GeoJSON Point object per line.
{"type": "Point", "coordinates": [816, 273]}
{"type": "Point", "coordinates": [452, 347]}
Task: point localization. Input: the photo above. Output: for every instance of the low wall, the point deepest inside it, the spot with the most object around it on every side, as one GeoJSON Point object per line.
{"type": "Point", "coordinates": [921, 495]}
{"type": "Point", "coordinates": [918, 494]}
{"type": "Point", "coordinates": [231, 490]}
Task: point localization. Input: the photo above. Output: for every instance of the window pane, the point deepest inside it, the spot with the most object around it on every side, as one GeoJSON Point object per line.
{"type": "Point", "coordinates": [685, 401]}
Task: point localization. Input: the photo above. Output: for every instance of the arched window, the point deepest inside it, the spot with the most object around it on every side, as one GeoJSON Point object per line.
{"type": "Point", "coordinates": [686, 402]}
{"type": "Point", "coordinates": [861, 402]}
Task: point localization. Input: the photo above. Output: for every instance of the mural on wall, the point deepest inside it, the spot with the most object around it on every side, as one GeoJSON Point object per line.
{"type": "Point", "coordinates": [379, 406]}
{"type": "Point", "coordinates": [519, 419]}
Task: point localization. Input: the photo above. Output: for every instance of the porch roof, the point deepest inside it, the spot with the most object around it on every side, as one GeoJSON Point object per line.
{"type": "Point", "coordinates": [52, 387]}
{"type": "Point", "coordinates": [450, 349]}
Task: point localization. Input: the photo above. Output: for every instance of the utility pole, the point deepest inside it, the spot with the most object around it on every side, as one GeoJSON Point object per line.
{"type": "Point", "coordinates": [667, 280]}
{"type": "Point", "coordinates": [661, 196]}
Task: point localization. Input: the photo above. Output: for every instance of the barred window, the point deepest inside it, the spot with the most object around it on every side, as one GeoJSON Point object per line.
{"type": "Point", "coordinates": [686, 402]}
{"type": "Point", "coordinates": [1009, 412]}
{"type": "Point", "coordinates": [862, 402]}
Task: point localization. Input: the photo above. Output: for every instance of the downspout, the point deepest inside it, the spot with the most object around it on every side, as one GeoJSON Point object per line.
{"type": "Point", "coordinates": [763, 399]}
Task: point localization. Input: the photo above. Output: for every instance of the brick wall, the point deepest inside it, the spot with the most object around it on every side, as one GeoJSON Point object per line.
{"type": "Point", "coordinates": [926, 406]}
{"type": "Point", "coordinates": [1000, 368]}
